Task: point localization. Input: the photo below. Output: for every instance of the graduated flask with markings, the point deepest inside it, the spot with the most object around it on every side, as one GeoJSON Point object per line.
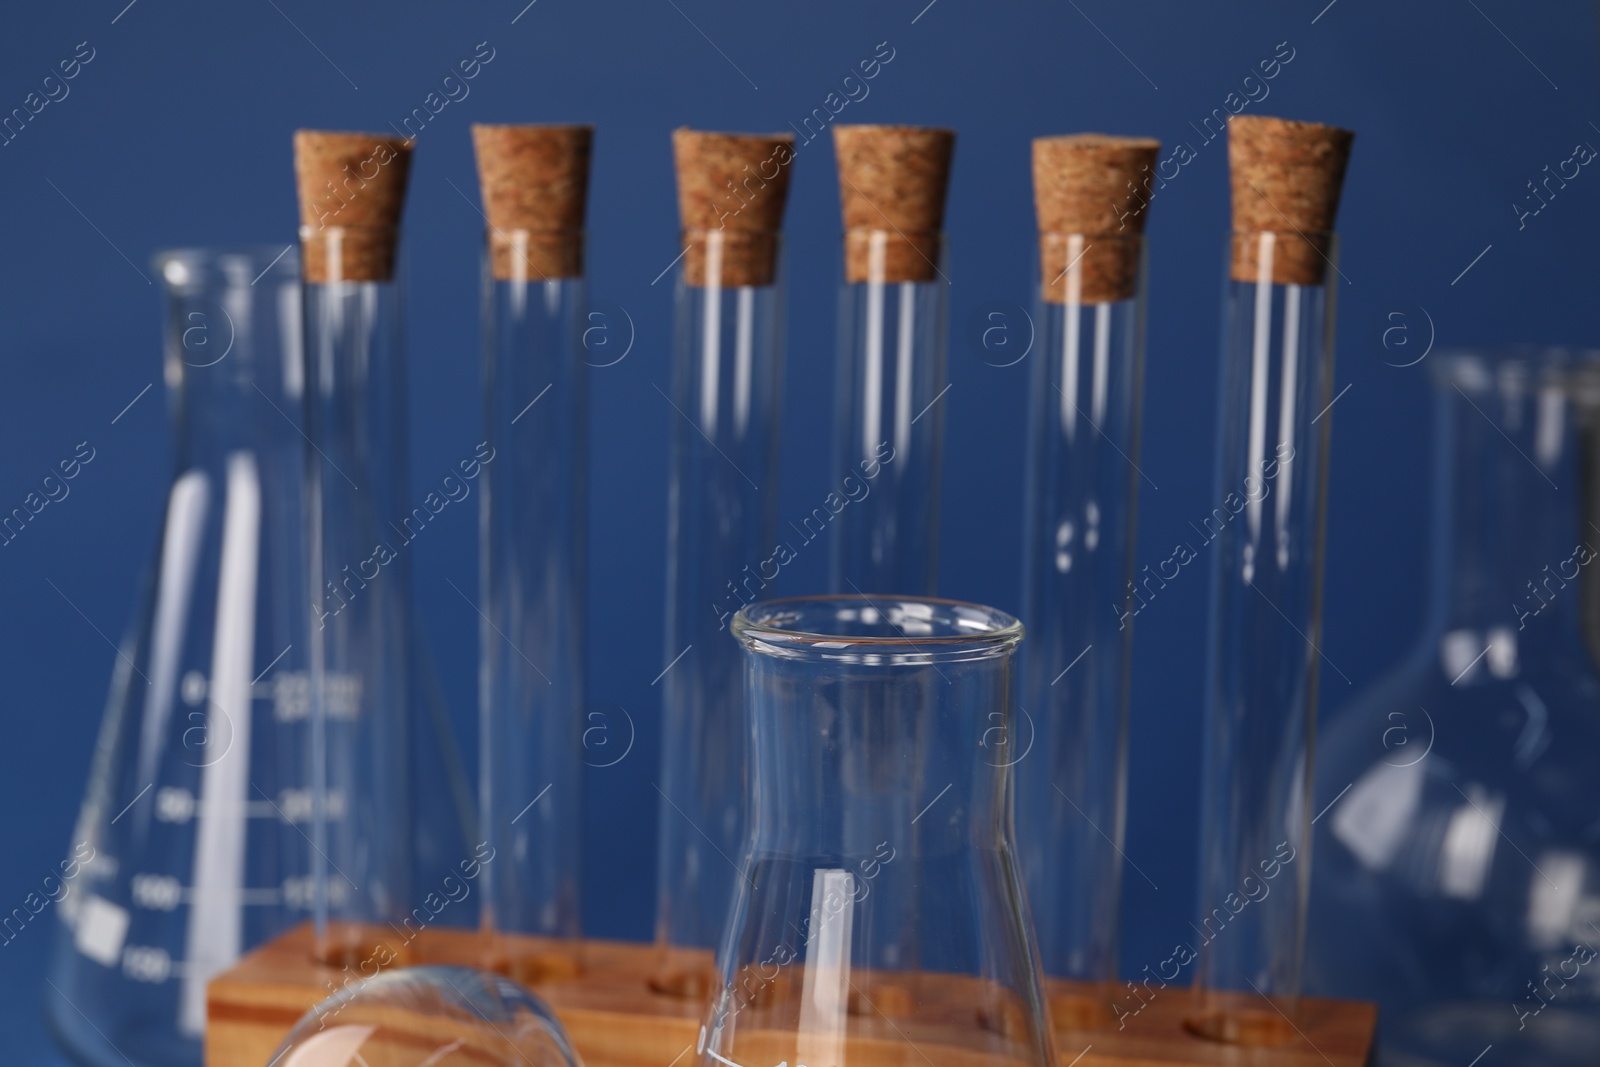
{"type": "Point", "coordinates": [188, 849]}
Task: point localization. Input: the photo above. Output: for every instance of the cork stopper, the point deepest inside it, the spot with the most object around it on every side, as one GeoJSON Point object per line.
{"type": "Point", "coordinates": [1091, 205]}
{"type": "Point", "coordinates": [352, 188]}
{"type": "Point", "coordinates": [535, 182]}
{"type": "Point", "coordinates": [1286, 178]}
{"type": "Point", "coordinates": [732, 188]}
{"type": "Point", "coordinates": [892, 182]}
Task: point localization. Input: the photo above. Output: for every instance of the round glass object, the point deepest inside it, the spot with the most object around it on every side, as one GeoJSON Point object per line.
{"type": "Point", "coordinates": [433, 1016]}
{"type": "Point", "coordinates": [1457, 875]}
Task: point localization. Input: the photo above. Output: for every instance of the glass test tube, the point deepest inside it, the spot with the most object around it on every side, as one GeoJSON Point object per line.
{"type": "Point", "coordinates": [889, 426]}
{"type": "Point", "coordinates": [531, 575]}
{"type": "Point", "coordinates": [352, 188]}
{"type": "Point", "coordinates": [1079, 533]}
{"type": "Point", "coordinates": [1266, 536]}
{"type": "Point", "coordinates": [721, 524]}
{"type": "Point", "coordinates": [888, 421]}
{"type": "Point", "coordinates": [1079, 536]}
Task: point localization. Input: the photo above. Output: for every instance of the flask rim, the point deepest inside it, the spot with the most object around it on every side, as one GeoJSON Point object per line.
{"type": "Point", "coordinates": [1478, 369]}
{"type": "Point", "coordinates": [192, 266]}
{"type": "Point", "coordinates": [915, 629]}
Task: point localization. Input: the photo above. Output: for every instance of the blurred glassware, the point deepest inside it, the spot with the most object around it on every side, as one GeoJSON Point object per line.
{"type": "Point", "coordinates": [189, 848]}
{"type": "Point", "coordinates": [428, 1017]}
{"type": "Point", "coordinates": [1457, 879]}
{"type": "Point", "coordinates": [853, 704]}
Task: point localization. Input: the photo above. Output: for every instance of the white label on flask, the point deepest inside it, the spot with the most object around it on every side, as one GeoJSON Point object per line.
{"type": "Point", "coordinates": [102, 926]}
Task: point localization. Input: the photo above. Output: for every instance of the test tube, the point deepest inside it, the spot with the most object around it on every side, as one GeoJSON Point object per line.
{"type": "Point", "coordinates": [890, 379]}
{"type": "Point", "coordinates": [1083, 483]}
{"type": "Point", "coordinates": [1265, 534]}
{"type": "Point", "coordinates": [531, 573]}
{"type": "Point", "coordinates": [727, 371]}
{"type": "Point", "coordinates": [352, 189]}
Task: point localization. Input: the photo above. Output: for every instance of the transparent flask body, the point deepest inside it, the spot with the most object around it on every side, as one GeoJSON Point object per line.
{"type": "Point", "coordinates": [720, 555]}
{"type": "Point", "coordinates": [188, 848]}
{"type": "Point", "coordinates": [889, 419]}
{"type": "Point", "coordinates": [531, 637]}
{"type": "Point", "coordinates": [1264, 534]}
{"type": "Point", "coordinates": [850, 700]}
{"type": "Point", "coordinates": [1071, 747]}
{"type": "Point", "coordinates": [1458, 878]}
{"type": "Point", "coordinates": [361, 744]}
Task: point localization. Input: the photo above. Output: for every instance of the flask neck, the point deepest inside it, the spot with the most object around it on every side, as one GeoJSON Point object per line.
{"type": "Point", "coordinates": [1512, 514]}
{"type": "Point", "coordinates": [233, 356]}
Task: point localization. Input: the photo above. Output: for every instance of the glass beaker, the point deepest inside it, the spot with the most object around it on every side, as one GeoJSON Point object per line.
{"type": "Point", "coordinates": [189, 848]}
{"type": "Point", "coordinates": [854, 704]}
{"type": "Point", "coordinates": [1457, 879]}
{"type": "Point", "coordinates": [722, 514]}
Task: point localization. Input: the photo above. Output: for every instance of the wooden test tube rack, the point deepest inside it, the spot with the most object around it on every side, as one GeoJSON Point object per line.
{"type": "Point", "coordinates": [615, 1020]}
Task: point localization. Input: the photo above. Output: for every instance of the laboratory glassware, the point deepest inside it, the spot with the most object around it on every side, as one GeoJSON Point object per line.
{"type": "Point", "coordinates": [531, 574]}
{"type": "Point", "coordinates": [852, 700]}
{"type": "Point", "coordinates": [1071, 751]}
{"type": "Point", "coordinates": [429, 1017]}
{"type": "Point", "coordinates": [351, 190]}
{"type": "Point", "coordinates": [1265, 538]}
{"type": "Point", "coordinates": [721, 504]}
{"type": "Point", "coordinates": [1457, 880]}
{"type": "Point", "coordinates": [188, 848]}
{"type": "Point", "coordinates": [890, 376]}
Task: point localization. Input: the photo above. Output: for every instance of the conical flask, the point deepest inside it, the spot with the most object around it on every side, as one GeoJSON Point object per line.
{"type": "Point", "coordinates": [850, 700]}
{"type": "Point", "coordinates": [189, 848]}
{"type": "Point", "coordinates": [1457, 880]}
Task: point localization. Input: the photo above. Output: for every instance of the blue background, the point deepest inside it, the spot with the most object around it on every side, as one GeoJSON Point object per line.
{"type": "Point", "coordinates": [178, 133]}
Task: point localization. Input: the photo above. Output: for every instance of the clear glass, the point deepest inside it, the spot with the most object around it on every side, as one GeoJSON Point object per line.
{"type": "Point", "coordinates": [443, 821]}
{"type": "Point", "coordinates": [889, 381]}
{"type": "Point", "coordinates": [1077, 594]}
{"type": "Point", "coordinates": [188, 848]}
{"type": "Point", "coordinates": [360, 744]}
{"type": "Point", "coordinates": [1265, 538]}
{"type": "Point", "coordinates": [429, 1017]}
{"type": "Point", "coordinates": [1458, 874]}
{"type": "Point", "coordinates": [531, 586]}
{"type": "Point", "coordinates": [722, 507]}
{"type": "Point", "coordinates": [854, 706]}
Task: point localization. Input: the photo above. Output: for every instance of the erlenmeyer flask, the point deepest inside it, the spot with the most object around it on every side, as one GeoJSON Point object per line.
{"type": "Point", "coordinates": [1457, 880]}
{"type": "Point", "coordinates": [189, 837]}
{"type": "Point", "coordinates": [845, 697]}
